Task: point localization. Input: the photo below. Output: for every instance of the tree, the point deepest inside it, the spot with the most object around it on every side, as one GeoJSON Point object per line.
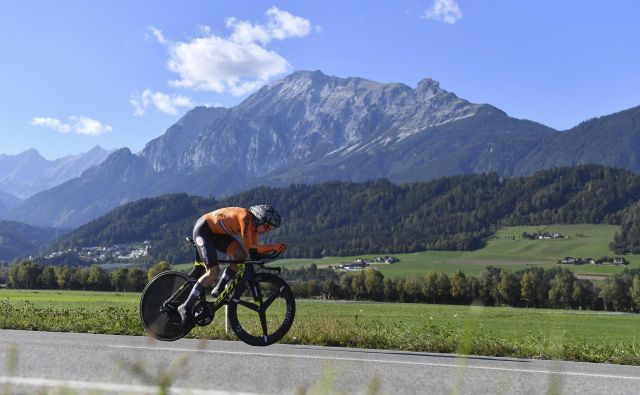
{"type": "Point", "coordinates": [413, 289]}
{"type": "Point", "coordinates": [119, 279]}
{"type": "Point", "coordinates": [48, 279]}
{"type": "Point", "coordinates": [98, 279]}
{"type": "Point", "coordinates": [561, 290]}
{"type": "Point", "coordinates": [312, 288]}
{"type": "Point", "coordinates": [390, 290]}
{"type": "Point", "coordinates": [474, 288]}
{"type": "Point", "coordinates": [374, 284]}
{"type": "Point", "coordinates": [357, 287]}
{"type": "Point", "coordinates": [615, 292]}
{"type": "Point", "coordinates": [25, 275]}
{"type": "Point", "coordinates": [529, 287]}
{"type": "Point", "coordinates": [444, 287]}
{"type": "Point", "coordinates": [136, 280]}
{"type": "Point", "coordinates": [508, 288]}
{"type": "Point", "coordinates": [81, 276]}
{"type": "Point", "coordinates": [158, 268]}
{"type": "Point", "coordinates": [635, 291]}
{"type": "Point", "coordinates": [432, 286]}
{"type": "Point", "coordinates": [579, 293]}
{"type": "Point", "coordinates": [63, 277]}
{"type": "Point", "coordinates": [332, 289]}
{"type": "Point", "coordinates": [459, 287]}
{"type": "Point", "coordinates": [345, 287]}
{"type": "Point", "coordinates": [487, 289]}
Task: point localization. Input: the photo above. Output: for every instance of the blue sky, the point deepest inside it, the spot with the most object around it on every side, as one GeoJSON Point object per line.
{"type": "Point", "coordinates": [75, 73]}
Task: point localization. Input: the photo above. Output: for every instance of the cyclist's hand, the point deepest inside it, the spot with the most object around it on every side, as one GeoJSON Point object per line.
{"type": "Point", "coordinates": [280, 247]}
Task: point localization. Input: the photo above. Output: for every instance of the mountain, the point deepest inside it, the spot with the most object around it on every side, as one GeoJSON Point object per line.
{"type": "Point", "coordinates": [119, 179]}
{"type": "Point", "coordinates": [7, 201]}
{"type": "Point", "coordinates": [310, 127]}
{"type": "Point", "coordinates": [27, 173]}
{"type": "Point", "coordinates": [612, 140]}
{"type": "Point", "coordinates": [18, 239]}
{"type": "Point", "coordinates": [309, 115]}
{"type": "Point", "coordinates": [345, 218]}
{"type": "Point", "coordinates": [485, 142]}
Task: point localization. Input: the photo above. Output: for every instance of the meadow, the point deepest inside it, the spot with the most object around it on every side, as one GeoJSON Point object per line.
{"type": "Point", "coordinates": [473, 330]}
{"type": "Point", "coordinates": [507, 249]}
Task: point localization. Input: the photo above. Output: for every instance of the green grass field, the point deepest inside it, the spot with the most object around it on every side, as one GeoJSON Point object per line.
{"type": "Point", "coordinates": [531, 333]}
{"type": "Point", "coordinates": [507, 250]}
{"type": "Point", "coordinates": [71, 299]}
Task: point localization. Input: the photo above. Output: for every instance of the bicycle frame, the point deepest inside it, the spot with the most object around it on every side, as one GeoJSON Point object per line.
{"type": "Point", "coordinates": [246, 271]}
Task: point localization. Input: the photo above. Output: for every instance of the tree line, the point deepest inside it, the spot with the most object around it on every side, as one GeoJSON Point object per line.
{"type": "Point", "coordinates": [531, 287]}
{"type": "Point", "coordinates": [30, 275]}
{"type": "Point", "coordinates": [538, 287]}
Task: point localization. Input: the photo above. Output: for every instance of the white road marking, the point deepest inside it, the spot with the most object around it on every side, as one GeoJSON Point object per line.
{"type": "Point", "coordinates": [444, 365]}
{"type": "Point", "coordinates": [110, 387]}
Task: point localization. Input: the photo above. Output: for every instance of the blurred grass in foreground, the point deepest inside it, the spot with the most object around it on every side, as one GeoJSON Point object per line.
{"type": "Point", "coordinates": [476, 330]}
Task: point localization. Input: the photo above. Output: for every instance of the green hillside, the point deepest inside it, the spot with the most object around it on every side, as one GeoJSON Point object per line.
{"type": "Point", "coordinates": [18, 239]}
{"type": "Point", "coordinates": [460, 213]}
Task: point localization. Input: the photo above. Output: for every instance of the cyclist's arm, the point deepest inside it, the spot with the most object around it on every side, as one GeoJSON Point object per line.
{"type": "Point", "coordinates": [268, 248]}
{"type": "Point", "coordinates": [249, 235]}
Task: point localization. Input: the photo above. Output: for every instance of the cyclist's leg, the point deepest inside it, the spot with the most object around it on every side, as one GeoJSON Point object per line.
{"type": "Point", "coordinates": [234, 250]}
{"type": "Point", "coordinates": [205, 243]}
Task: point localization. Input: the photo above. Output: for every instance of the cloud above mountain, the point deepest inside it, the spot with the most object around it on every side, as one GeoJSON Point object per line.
{"type": "Point", "coordinates": [446, 11]}
{"type": "Point", "coordinates": [162, 102]}
{"type": "Point", "coordinates": [238, 63]}
{"type": "Point", "coordinates": [77, 124]}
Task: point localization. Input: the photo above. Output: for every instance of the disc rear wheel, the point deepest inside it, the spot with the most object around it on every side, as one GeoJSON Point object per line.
{"type": "Point", "coordinates": [158, 314]}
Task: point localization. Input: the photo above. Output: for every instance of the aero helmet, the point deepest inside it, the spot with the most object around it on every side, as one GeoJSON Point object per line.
{"type": "Point", "coordinates": [265, 214]}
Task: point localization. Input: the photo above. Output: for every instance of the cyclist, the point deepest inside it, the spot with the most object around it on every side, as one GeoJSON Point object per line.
{"type": "Point", "coordinates": [215, 231]}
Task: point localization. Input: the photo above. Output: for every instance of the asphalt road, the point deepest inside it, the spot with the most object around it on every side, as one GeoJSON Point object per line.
{"type": "Point", "coordinates": [83, 363]}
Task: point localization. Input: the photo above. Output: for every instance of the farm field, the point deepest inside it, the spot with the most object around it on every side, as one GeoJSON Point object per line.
{"type": "Point", "coordinates": [89, 300]}
{"type": "Point", "coordinates": [500, 331]}
{"type": "Point", "coordinates": [507, 250]}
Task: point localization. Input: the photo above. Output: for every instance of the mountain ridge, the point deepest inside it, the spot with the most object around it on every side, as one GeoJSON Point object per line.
{"type": "Point", "coordinates": [310, 127]}
{"type": "Point", "coordinates": [28, 172]}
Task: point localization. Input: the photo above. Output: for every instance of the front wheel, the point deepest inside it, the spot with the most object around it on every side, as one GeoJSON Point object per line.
{"type": "Point", "coordinates": [159, 302]}
{"type": "Point", "coordinates": [261, 310]}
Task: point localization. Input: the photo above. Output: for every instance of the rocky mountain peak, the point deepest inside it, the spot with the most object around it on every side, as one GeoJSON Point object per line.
{"type": "Point", "coordinates": [305, 128]}
{"type": "Point", "coordinates": [304, 116]}
{"type": "Point", "coordinates": [428, 88]}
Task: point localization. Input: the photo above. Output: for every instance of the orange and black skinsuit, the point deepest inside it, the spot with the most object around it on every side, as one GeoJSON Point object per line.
{"type": "Point", "coordinates": [216, 230]}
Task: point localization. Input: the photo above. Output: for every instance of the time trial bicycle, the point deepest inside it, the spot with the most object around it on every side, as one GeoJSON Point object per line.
{"type": "Point", "coordinates": [261, 305]}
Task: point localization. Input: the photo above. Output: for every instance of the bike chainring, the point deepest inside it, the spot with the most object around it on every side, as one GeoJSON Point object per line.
{"type": "Point", "coordinates": [202, 313]}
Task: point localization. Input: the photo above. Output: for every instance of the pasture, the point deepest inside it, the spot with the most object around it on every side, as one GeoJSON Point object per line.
{"type": "Point", "coordinates": [476, 330]}
{"type": "Point", "coordinates": [507, 250]}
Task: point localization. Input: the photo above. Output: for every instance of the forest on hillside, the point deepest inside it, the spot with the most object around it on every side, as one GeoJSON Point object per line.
{"type": "Point", "coordinates": [345, 218]}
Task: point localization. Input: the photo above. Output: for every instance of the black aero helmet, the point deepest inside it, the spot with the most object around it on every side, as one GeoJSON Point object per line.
{"type": "Point", "coordinates": [265, 214]}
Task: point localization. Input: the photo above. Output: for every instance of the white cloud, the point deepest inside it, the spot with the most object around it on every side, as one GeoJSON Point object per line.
{"type": "Point", "coordinates": [88, 126]}
{"type": "Point", "coordinates": [163, 102]}
{"type": "Point", "coordinates": [239, 63]}
{"type": "Point", "coordinates": [446, 11]}
{"type": "Point", "coordinates": [51, 123]}
{"type": "Point", "coordinates": [77, 124]}
{"type": "Point", "coordinates": [158, 35]}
